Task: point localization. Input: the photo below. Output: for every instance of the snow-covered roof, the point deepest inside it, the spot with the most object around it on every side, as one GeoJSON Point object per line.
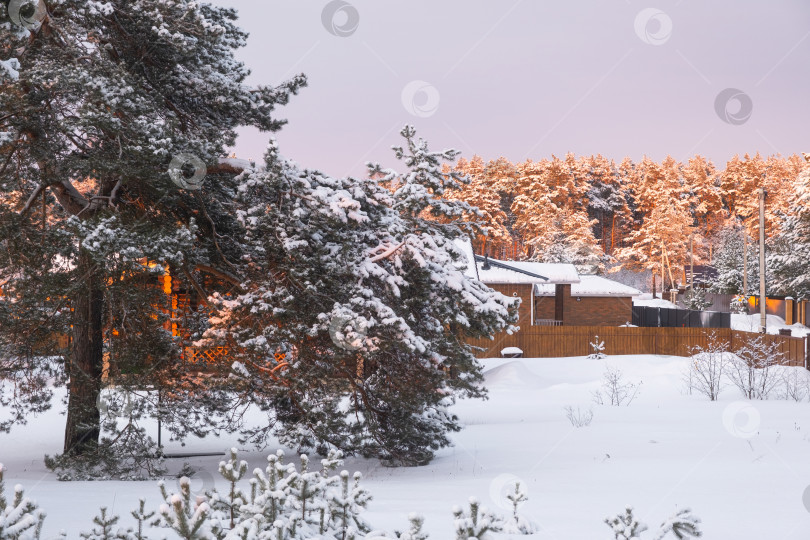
{"type": "Point", "coordinates": [590, 285]}
{"type": "Point", "coordinates": [556, 273]}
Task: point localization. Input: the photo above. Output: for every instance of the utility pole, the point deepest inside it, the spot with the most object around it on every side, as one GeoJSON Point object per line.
{"type": "Point", "coordinates": [745, 263]}
{"type": "Point", "coordinates": [691, 264]}
{"type": "Point", "coordinates": [762, 315]}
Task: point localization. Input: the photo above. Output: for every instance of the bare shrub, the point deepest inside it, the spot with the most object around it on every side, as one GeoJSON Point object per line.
{"type": "Point", "coordinates": [751, 372]}
{"type": "Point", "coordinates": [795, 384]}
{"type": "Point", "coordinates": [615, 390]}
{"type": "Point", "coordinates": [578, 417]}
{"type": "Point", "coordinates": [707, 366]}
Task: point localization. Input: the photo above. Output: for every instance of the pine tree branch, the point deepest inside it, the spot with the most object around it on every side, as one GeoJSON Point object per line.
{"type": "Point", "coordinates": [230, 278]}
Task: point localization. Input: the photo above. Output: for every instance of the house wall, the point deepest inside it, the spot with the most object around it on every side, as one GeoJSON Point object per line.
{"type": "Point", "coordinates": [524, 292]}
{"type": "Point", "coordinates": [588, 311]}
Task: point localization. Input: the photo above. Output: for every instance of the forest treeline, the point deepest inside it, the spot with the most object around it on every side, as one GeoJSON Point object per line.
{"type": "Point", "coordinates": [601, 214]}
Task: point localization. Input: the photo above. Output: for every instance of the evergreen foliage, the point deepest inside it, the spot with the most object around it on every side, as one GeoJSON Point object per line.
{"type": "Point", "coordinates": [20, 517]}
{"type": "Point", "coordinates": [477, 522]}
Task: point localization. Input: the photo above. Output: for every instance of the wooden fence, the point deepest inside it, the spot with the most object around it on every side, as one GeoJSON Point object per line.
{"type": "Point", "coordinates": [559, 341]}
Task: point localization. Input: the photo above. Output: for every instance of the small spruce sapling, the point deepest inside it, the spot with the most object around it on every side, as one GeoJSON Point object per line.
{"type": "Point", "coordinates": [415, 532]}
{"type": "Point", "coordinates": [625, 526]}
{"type": "Point", "coordinates": [143, 518]}
{"type": "Point", "coordinates": [21, 517]}
{"type": "Point", "coordinates": [682, 525]}
{"type": "Point", "coordinates": [345, 507]}
{"type": "Point", "coordinates": [189, 521]}
{"type": "Point", "coordinates": [518, 524]}
{"type": "Point", "coordinates": [233, 471]}
{"type": "Point", "coordinates": [106, 529]}
{"type": "Point", "coordinates": [695, 299]}
{"type": "Point", "coordinates": [477, 523]}
{"type": "Point", "coordinates": [597, 349]}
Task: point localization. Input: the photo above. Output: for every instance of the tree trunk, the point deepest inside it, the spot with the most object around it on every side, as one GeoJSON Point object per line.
{"type": "Point", "coordinates": [82, 427]}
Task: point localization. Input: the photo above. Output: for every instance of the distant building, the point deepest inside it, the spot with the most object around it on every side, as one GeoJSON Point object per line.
{"type": "Point", "coordinates": [555, 294]}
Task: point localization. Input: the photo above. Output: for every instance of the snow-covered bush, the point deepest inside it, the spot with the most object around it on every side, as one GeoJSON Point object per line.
{"type": "Point", "coordinates": [190, 520]}
{"type": "Point", "coordinates": [518, 523]}
{"type": "Point", "coordinates": [795, 383]}
{"type": "Point", "coordinates": [752, 370]}
{"type": "Point", "coordinates": [695, 299]}
{"type": "Point", "coordinates": [286, 503]}
{"type": "Point", "coordinates": [682, 525]}
{"type": "Point", "coordinates": [625, 526]}
{"type": "Point", "coordinates": [477, 522]}
{"type": "Point", "coordinates": [597, 349]}
{"type": "Point", "coordinates": [578, 417]}
{"type": "Point", "coordinates": [615, 390]}
{"type": "Point", "coordinates": [707, 367]}
{"type": "Point", "coordinates": [20, 517]}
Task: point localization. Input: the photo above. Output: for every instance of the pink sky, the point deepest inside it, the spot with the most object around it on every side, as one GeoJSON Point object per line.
{"type": "Point", "coordinates": [527, 79]}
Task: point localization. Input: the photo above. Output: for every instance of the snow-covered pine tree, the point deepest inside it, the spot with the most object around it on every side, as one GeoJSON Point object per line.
{"type": "Point", "coordinates": [607, 199]}
{"type": "Point", "coordinates": [597, 349]}
{"type": "Point", "coordinates": [100, 99]}
{"type": "Point", "coordinates": [787, 261]}
{"type": "Point", "coordinates": [695, 298]}
{"type": "Point", "coordinates": [232, 470]}
{"type": "Point", "coordinates": [517, 523]}
{"type": "Point", "coordinates": [665, 220]}
{"type": "Point", "coordinates": [682, 524]}
{"type": "Point", "coordinates": [625, 526]}
{"type": "Point", "coordinates": [143, 518]}
{"type": "Point", "coordinates": [106, 529]}
{"type": "Point", "coordinates": [331, 255]}
{"type": "Point", "coordinates": [20, 517]}
{"type": "Point", "coordinates": [477, 522]}
{"type": "Point", "coordinates": [729, 245]}
{"type": "Point", "coordinates": [190, 520]}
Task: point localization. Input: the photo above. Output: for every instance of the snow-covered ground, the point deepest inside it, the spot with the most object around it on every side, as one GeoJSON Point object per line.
{"type": "Point", "coordinates": [751, 323]}
{"type": "Point", "coordinates": [742, 466]}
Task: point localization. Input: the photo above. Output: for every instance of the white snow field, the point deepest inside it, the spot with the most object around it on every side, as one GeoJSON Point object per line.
{"type": "Point", "coordinates": [742, 466]}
